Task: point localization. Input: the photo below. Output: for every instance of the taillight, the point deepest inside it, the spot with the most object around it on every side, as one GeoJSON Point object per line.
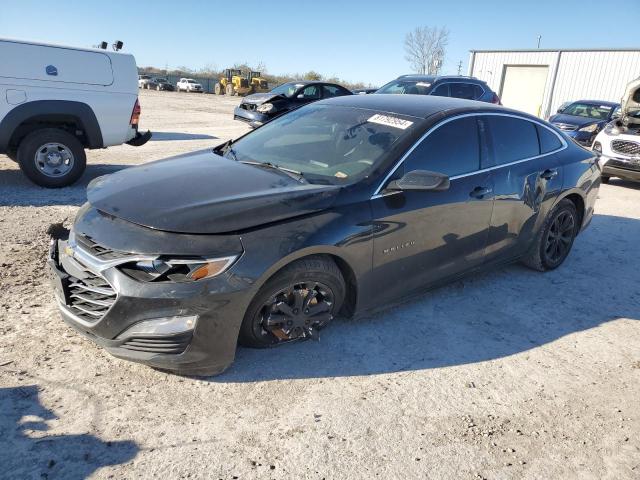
{"type": "Point", "coordinates": [496, 99]}
{"type": "Point", "coordinates": [135, 114]}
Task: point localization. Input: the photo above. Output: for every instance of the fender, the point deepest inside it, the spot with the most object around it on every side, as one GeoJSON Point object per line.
{"type": "Point", "coordinates": [52, 110]}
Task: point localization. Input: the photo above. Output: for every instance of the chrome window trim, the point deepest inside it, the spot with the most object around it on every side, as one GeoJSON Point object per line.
{"type": "Point", "coordinates": [377, 193]}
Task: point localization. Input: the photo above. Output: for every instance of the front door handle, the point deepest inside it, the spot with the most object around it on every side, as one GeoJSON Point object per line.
{"type": "Point", "coordinates": [480, 192]}
{"type": "Point", "coordinates": [549, 174]}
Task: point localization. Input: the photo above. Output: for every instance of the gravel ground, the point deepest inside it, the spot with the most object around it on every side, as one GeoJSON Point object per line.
{"type": "Point", "coordinates": [508, 374]}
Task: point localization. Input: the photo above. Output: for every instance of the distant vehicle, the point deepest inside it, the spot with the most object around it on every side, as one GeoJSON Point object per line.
{"type": "Point", "coordinates": [56, 101]}
{"type": "Point", "coordinates": [188, 85]}
{"type": "Point", "coordinates": [619, 141]}
{"type": "Point", "coordinates": [233, 82]}
{"type": "Point", "coordinates": [364, 91]}
{"type": "Point", "coordinates": [163, 84]}
{"type": "Point", "coordinates": [259, 108]}
{"type": "Point", "coordinates": [468, 88]}
{"type": "Point", "coordinates": [146, 82]}
{"type": "Point", "coordinates": [257, 82]}
{"type": "Point", "coordinates": [582, 120]}
{"type": "Point", "coordinates": [335, 208]}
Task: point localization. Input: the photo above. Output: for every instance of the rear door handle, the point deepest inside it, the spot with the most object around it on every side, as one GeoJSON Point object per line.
{"type": "Point", "coordinates": [549, 174]}
{"type": "Point", "coordinates": [480, 192]}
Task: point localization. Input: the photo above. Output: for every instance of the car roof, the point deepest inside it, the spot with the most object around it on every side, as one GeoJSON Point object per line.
{"type": "Point", "coordinates": [421, 106]}
{"type": "Point", "coordinates": [437, 78]}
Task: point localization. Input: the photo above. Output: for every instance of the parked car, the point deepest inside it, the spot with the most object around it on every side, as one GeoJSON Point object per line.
{"type": "Point", "coordinates": [188, 85]}
{"type": "Point", "coordinates": [55, 101]}
{"type": "Point", "coordinates": [582, 120]}
{"type": "Point", "coordinates": [146, 82]}
{"type": "Point", "coordinates": [332, 209]}
{"type": "Point", "coordinates": [259, 108]}
{"type": "Point", "coordinates": [162, 84]}
{"type": "Point", "coordinates": [619, 142]}
{"type": "Point", "coordinates": [469, 88]}
{"type": "Point", "coordinates": [363, 91]}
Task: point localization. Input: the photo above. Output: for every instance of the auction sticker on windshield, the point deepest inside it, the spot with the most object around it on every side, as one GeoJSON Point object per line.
{"type": "Point", "coordinates": [390, 121]}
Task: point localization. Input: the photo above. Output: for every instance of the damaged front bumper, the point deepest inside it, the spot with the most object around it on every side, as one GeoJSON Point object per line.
{"type": "Point", "coordinates": [253, 118]}
{"type": "Point", "coordinates": [625, 168]}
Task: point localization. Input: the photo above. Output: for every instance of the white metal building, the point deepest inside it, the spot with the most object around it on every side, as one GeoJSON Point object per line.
{"type": "Point", "coordinates": [539, 81]}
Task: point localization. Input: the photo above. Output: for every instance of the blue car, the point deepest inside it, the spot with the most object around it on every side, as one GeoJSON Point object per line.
{"type": "Point", "coordinates": [582, 120]}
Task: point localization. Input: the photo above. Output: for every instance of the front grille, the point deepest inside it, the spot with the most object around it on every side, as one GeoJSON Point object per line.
{"type": "Point", "coordinates": [90, 298]}
{"type": "Point", "coordinates": [626, 147]}
{"type": "Point", "coordinates": [172, 345]}
{"type": "Point", "coordinates": [565, 126]}
{"type": "Point", "coordinates": [100, 251]}
{"type": "Point", "coordinates": [248, 106]}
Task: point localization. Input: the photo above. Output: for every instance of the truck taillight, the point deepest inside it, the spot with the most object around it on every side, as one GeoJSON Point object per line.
{"type": "Point", "coordinates": [135, 114]}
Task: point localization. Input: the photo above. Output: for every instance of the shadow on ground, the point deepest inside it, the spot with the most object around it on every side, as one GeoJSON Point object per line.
{"type": "Point", "coordinates": [17, 190]}
{"type": "Point", "coordinates": [23, 426]}
{"type": "Point", "coordinates": [171, 136]}
{"type": "Point", "coordinates": [484, 317]}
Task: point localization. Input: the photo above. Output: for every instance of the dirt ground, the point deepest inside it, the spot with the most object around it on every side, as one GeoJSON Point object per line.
{"type": "Point", "coordinates": [508, 374]}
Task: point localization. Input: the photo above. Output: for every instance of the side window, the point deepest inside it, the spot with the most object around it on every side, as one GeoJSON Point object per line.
{"type": "Point", "coordinates": [331, 91]}
{"type": "Point", "coordinates": [513, 138]}
{"type": "Point", "coordinates": [452, 149]}
{"type": "Point", "coordinates": [441, 90]}
{"type": "Point", "coordinates": [462, 90]}
{"type": "Point", "coordinates": [312, 92]}
{"type": "Point", "coordinates": [478, 91]}
{"type": "Point", "coordinates": [549, 141]}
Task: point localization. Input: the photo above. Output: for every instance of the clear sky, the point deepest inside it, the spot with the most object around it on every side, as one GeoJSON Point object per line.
{"type": "Point", "coordinates": [353, 40]}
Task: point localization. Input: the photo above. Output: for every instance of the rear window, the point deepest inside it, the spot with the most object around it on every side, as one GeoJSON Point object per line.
{"type": "Point", "coordinates": [513, 138]}
{"type": "Point", "coordinates": [549, 141]}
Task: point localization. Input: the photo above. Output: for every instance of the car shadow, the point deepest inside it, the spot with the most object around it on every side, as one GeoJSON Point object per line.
{"type": "Point", "coordinates": [484, 317]}
{"type": "Point", "coordinates": [17, 191]}
{"type": "Point", "coordinates": [624, 183]}
{"type": "Point", "coordinates": [23, 428]}
{"type": "Point", "coordinates": [171, 136]}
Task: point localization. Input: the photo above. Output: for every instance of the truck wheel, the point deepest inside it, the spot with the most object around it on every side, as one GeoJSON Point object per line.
{"type": "Point", "coordinates": [218, 89]}
{"type": "Point", "coordinates": [230, 91]}
{"type": "Point", "coordinates": [51, 157]}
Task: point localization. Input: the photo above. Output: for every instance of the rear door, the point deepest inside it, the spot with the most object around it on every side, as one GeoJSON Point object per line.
{"type": "Point", "coordinates": [527, 179]}
{"type": "Point", "coordinates": [422, 237]}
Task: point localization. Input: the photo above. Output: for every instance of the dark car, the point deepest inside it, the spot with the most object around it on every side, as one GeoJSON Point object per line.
{"type": "Point", "coordinates": [364, 91]}
{"type": "Point", "coordinates": [468, 88]}
{"type": "Point", "coordinates": [333, 209]}
{"type": "Point", "coordinates": [259, 108]}
{"type": "Point", "coordinates": [162, 84]}
{"type": "Point", "coordinates": [582, 120]}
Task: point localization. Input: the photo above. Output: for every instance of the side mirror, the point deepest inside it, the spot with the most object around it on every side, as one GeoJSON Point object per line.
{"type": "Point", "coordinates": [300, 96]}
{"type": "Point", "coordinates": [560, 110]}
{"type": "Point", "coordinates": [420, 180]}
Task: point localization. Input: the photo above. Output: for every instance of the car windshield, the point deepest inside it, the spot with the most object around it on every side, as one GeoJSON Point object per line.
{"type": "Point", "coordinates": [414, 87]}
{"type": "Point", "coordinates": [588, 110]}
{"type": "Point", "coordinates": [190, 81]}
{"type": "Point", "coordinates": [287, 89]}
{"type": "Point", "coordinates": [327, 144]}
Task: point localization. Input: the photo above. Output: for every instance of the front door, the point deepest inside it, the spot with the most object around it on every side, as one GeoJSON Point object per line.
{"type": "Point", "coordinates": [421, 237]}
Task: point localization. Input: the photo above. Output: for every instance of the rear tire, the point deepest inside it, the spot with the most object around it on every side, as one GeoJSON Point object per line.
{"type": "Point", "coordinates": [51, 157]}
{"type": "Point", "coordinates": [315, 282]}
{"type": "Point", "coordinates": [555, 238]}
{"type": "Point", "coordinates": [605, 179]}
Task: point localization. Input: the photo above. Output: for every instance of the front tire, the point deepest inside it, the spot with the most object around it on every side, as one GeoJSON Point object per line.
{"type": "Point", "coordinates": [230, 91]}
{"type": "Point", "coordinates": [605, 179]}
{"type": "Point", "coordinates": [555, 239]}
{"type": "Point", "coordinates": [51, 157]}
{"type": "Point", "coordinates": [294, 304]}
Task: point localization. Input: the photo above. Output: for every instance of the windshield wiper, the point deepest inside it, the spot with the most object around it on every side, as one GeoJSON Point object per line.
{"type": "Point", "coordinates": [291, 173]}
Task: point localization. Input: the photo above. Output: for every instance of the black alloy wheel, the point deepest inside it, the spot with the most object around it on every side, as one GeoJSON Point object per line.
{"type": "Point", "coordinates": [295, 304]}
{"type": "Point", "coordinates": [560, 237]}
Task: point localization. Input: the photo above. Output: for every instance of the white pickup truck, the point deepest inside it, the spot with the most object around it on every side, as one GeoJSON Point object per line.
{"type": "Point", "coordinates": [55, 101]}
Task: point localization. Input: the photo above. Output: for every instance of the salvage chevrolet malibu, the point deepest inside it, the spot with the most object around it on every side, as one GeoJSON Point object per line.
{"type": "Point", "coordinates": [334, 208]}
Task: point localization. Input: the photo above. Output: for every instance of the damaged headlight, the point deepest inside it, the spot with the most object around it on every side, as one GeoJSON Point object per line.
{"type": "Point", "coordinates": [177, 269]}
{"type": "Point", "coordinates": [266, 108]}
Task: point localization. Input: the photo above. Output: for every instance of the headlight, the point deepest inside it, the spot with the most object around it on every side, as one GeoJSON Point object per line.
{"type": "Point", "coordinates": [266, 108]}
{"type": "Point", "coordinates": [589, 128]}
{"type": "Point", "coordinates": [177, 269]}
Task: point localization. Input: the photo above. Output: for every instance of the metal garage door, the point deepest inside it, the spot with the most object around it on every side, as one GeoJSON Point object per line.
{"type": "Point", "coordinates": [523, 87]}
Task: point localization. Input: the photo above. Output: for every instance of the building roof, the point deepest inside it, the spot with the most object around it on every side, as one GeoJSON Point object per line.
{"type": "Point", "coordinates": [547, 50]}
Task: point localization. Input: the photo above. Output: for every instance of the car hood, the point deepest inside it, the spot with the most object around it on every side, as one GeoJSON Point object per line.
{"type": "Point", "coordinates": [259, 98]}
{"type": "Point", "coordinates": [579, 122]}
{"type": "Point", "coordinates": [205, 193]}
{"type": "Point", "coordinates": [630, 104]}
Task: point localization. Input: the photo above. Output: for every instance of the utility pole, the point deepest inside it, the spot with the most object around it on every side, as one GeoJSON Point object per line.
{"type": "Point", "coordinates": [539, 38]}
{"type": "Point", "coordinates": [460, 67]}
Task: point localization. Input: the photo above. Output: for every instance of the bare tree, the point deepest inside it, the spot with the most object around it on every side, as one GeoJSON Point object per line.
{"type": "Point", "coordinates": [425, 48]}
